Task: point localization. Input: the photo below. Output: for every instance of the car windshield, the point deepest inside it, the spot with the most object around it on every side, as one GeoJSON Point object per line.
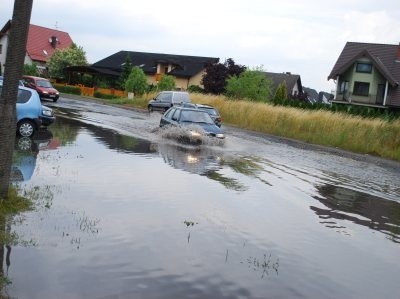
{"type": "Point", "coordinates": [43, 83]}
{"type": "Point", "coordinates": [196, 117]}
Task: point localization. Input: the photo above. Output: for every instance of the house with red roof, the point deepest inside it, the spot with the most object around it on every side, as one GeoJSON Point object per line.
{"type": "Point", "coordinates": [41, 44]}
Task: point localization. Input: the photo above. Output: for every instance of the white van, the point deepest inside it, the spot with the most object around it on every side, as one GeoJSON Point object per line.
{"type": "Point", "coordinates": [166, 99]}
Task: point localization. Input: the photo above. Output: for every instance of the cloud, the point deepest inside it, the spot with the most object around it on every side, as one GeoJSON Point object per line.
{"type": "Point", "coordinates": [303, 37]}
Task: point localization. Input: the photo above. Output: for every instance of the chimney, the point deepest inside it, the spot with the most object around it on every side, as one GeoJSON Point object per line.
{"type": "Point", "coordinates": [53, 41]}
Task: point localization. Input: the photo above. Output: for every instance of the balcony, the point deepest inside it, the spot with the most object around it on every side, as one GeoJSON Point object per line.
{"type": "Point", "coordinates": [371, 100]}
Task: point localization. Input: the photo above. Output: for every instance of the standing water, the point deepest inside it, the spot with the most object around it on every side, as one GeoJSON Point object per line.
{"type": "Point", "coordinates": [121, 217]}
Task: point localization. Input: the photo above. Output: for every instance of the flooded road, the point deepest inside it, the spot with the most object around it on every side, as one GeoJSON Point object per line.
{"type": "Point", "coordinates": [121, 212]}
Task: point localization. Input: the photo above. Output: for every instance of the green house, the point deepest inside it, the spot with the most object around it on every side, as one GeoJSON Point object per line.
{"type": "Point", "coordinates": [368, 74]}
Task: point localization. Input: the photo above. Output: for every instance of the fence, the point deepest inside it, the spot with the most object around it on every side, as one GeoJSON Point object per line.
{"type": "Point", "coordinates": [89, 91]}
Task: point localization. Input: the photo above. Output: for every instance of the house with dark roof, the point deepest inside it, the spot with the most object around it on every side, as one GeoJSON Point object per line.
{"type": "Point", "coordinates": [187, 70]}
{"type": "Point", "coordinates": [367, 74]}
{"type": "Point", "coordinates": [293, 82]}
{"type": "Point", "coordinates": [41, 44]}
{"type": "Point", "coordinates": [312, 95]}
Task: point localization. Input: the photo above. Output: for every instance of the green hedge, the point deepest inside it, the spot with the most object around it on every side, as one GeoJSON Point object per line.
{"type": "Point", "coordinates": [363, 111]}
{"type": "Point", "coordinates": [68, 89]}
{"type": "Point", "coordinates": [98, 94]}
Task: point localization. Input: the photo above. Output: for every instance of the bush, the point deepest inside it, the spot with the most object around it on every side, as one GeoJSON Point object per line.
{"type": "Point", "coordinates": [136, 82]}
{"type": "Point", "coordinates": [100, 95]}
{"type": "Point", "coordinates": [67, 89]}
{"type": "Point", "coordinates": [195, 88]}
{"type": "Point", "coordinates": [166, 82]}
{"type": "Point", "coordinates": [250, 85]}
{"type": "Point", "coordinates": [31, 69]}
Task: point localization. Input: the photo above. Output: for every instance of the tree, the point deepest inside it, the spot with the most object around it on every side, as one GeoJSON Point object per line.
{"type": "Point", "coordinates": [13, 72]}
{"type": "Point", "coordinates": [31, 69]}
{"type": "Point", "coordinates": [166, 82]}
{"type": "Point", "coordinates": [136, 82]}
{"type": "Point", "coordinates": [216, 75]}
{"type": "Point", "coordinates": [251, 85]}
{"type": "Point", "coordinates": [73, 55]}
{"type": "Point", "coordinates": [281, 92]}
{"type": "Point", "coordinates": [126, 70]}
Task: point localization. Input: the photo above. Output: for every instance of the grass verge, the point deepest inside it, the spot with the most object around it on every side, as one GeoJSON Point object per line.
{"type": "Point", "coordinates": [372, 136]}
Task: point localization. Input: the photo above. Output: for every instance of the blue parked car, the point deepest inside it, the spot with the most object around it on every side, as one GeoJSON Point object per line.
{"type": "Point", "coordinates": [31, 114]}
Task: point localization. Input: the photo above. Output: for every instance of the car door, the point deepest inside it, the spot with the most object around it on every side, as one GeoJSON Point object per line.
{"type": "Point", "coordinates": [170, 118]}
{"type": "Point", "coordinates": [162, 101]}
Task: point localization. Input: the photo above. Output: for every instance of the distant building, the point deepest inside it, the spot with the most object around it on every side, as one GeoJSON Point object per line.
{"type": "Point", "coordinates": [293, 82]}
{"type": "Point", "coordinates": [368, 74]}
{"type": "Point", "coordinates": [312, 95]}
{"type": "Point", "coordinates": [41, 44]}
{"type": "Point", "coordinates": [187, 70]}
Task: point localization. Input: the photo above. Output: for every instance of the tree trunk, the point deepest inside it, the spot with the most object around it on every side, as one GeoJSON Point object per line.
{"type": "Point", "coordinates": [16, 50]}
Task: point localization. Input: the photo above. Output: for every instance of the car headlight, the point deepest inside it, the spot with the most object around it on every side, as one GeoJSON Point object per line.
{"type": "Point", "coordinates": [47, 112]}
{"type": "Point", "coordinates": [220, 135]}
{"type": "Point", "coordinates": [195, 134]}
{"type": "Point", "coordinates": [44, 92]}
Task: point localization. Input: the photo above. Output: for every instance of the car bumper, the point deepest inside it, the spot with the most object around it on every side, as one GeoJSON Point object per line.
{"type": "Point", "coordinates": [47, 120]}
{"type": "Point", "coordinates": [49, 96]}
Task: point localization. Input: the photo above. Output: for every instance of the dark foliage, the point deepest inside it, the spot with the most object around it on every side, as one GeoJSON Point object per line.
{"type": "Point", "coordinates": [68, 89]}
{"type": "Point", "coordinates": [214, 80]}
{"type": "Point", "coordinates": [301, 102]}
{"type": "Point", "coordinates": [125, 72]}
{"type": "Point", "coordinates": [100, 95]}
{"type": "Point", "coordinates": [195, 88]}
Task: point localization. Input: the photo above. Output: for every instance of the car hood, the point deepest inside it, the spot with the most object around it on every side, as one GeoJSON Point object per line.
{"type": "Point", "coordinates": [208, 128]}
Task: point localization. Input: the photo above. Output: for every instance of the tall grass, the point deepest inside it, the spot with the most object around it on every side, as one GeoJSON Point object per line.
{"type": "Point", "coordinates": [372, 136]}
{"type": "Point", "coordinates": [368, 136]}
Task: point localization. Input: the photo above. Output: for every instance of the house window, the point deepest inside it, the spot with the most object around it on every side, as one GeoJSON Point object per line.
{"type": "Point", "coordinates": [344, 87]}
{"type": "Point", "coordinates": [1, 49]}
{"type": "Point", "coordinates": [361, 89]}
{"type": "Point", "coordinates": [363, 67]}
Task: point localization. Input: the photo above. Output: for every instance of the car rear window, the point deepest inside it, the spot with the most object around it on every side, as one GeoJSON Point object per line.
{"type": "Point", "coordinates": [23, 95]}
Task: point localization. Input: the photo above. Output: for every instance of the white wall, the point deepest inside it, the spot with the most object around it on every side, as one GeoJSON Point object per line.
{"type": "Point", "coordinates": [4, 43]}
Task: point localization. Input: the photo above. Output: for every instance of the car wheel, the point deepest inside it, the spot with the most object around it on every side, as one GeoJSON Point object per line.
{"type": "Point", "coordinates": [150, 108]}
{"type": "Point", "coordinates": [24, 143]}
{"type": "Point", "coordinates": [55, 100]}
{"type": "Point", "coordinates": [26, 128]}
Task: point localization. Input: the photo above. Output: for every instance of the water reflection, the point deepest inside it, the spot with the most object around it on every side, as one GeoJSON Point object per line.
{"type": "Point", "coordinates": [361, 208]}
{"type": "Point", "coordinates": [67, 130]}
{"type": "Point", "coordinates": [25, 154]}
{"type": "Point", "coordinates": [210, 162]}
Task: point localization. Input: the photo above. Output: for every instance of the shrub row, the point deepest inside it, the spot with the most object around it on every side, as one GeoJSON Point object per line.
{"type": "Point", "coordinates": [363, 111]}
{"type": "Point", "coordinates": [68, 89]}
{"type": "Point", "coordinates": [100, 95]}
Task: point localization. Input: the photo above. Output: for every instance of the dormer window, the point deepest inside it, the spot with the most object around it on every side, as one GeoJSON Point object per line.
{"type": "Point", "coordinates": [363, 67]}
{"type": "Point", "coordinates": [53, 40]}
{"type": "Point", "coordinates": [45, 52]}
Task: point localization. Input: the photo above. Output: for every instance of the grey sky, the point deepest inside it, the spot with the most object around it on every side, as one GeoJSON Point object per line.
{"type": "Point", "coordinates": [302, 37]}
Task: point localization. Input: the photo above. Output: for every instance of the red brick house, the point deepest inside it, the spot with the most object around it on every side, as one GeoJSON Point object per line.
{"type": "Point", "coordinates": [41, 44]}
